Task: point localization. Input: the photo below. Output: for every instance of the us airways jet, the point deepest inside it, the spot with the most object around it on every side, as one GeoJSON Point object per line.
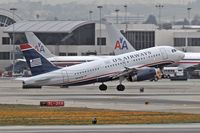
{"type": "Point", "coordinates": [119, 44]}
{"type": "Point", "coordinates": [134, 66]}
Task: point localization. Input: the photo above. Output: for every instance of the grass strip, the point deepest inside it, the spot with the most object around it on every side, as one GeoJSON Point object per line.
{"type": "Point", "coordinates": [36, 115]}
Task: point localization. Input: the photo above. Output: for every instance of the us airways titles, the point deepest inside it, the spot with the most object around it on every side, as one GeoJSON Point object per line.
{"type": "Point", "coordinates": [136, 55]}
{"type": "Point", "coordinates": [121, 44]}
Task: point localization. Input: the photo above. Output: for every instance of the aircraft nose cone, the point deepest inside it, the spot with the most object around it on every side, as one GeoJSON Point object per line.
{"type": "Point", "coordinates": [182, 54]}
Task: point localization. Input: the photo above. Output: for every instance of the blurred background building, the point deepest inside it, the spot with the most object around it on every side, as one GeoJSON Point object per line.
{"type": "Point", "coordinates": [89, 36]}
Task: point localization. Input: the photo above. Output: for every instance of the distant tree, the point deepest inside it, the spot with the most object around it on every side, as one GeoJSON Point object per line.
{"type": "Point", "coordinates": [184, 22]}
{"type": "Point", "coordinates": [151, 20]}
{"type": "Point", "coordinates": [55, 18]}
{"type": "Point", "coordinates": [196, 20]}
{"type": "Point", "coordinates": [37, 16]}
{"type": "Point", "coordinates": [166, 25]}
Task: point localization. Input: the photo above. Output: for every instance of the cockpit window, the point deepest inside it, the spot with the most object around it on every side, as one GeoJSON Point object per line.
{"type": "Point", "coordinates": [173, 50]}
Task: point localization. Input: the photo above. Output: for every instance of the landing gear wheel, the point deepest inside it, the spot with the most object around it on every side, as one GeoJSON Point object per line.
{"type": "Point", "coordinates": [120, 87]}
{"type": "Point", "coordinates": [103, 87]}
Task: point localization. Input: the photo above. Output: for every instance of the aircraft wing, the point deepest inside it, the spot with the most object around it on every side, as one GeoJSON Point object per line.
{"type": "Point", "coordinates": [126, 72]}
{"type": "Point", "coordinates": [185, 66]}
{"type": "Point", "coordinates": [130, 70]}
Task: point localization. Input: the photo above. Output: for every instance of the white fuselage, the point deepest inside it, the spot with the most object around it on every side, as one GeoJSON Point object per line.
{"type": "Point", "coordinates": [64, 61]}
{"type": "Point", "coordinates": [190, 59]}
{"type": "Point", "coordinates": [105, 69]}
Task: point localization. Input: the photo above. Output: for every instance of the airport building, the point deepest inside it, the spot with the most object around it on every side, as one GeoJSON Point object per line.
{"type": "Point", "coordinates": [6, 19]}
{"type": "Point", "coordinates": [86, 37]}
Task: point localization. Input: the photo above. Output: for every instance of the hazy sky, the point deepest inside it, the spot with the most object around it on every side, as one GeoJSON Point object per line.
{"type": "Point", "coordinates": [107, 1]}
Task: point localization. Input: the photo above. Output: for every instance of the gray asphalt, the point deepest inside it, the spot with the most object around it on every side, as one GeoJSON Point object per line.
{"type": "Point", "coordinates": [164, 95]}
{"type": "Point", "coordinates": [170, 128]}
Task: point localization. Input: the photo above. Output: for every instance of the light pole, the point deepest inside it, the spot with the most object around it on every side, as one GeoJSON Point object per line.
{"type": "Point", "coordinates": [100, 7]}
{"type": "Point", "coordinates": [159, 6]}
{"type": "Point", "coordinates": [125, 18]}
{"type": "Point", "coordinates": [13, 40]}
{"type": "Point", "coordinates": [188, 11]}
{"type": "Point", "coordinates": [117, 11]}
{"type": "Point", "coordinates": [90, 15]}
{"type": "Point", "coordinates": [174, 20]}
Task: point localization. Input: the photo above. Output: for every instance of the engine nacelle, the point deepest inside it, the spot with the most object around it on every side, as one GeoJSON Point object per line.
{"type": "Point", "coordinates": [146, 74]}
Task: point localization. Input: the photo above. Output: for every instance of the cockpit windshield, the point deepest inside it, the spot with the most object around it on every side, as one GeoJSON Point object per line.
{"type": "Point", "coordinates": [173, 50]}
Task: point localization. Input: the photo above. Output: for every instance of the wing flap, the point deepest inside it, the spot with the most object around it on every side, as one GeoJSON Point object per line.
{"type": "Point", "coordinates": [133, 70]}
{"type": "Point", "coordinates": [126, 72]}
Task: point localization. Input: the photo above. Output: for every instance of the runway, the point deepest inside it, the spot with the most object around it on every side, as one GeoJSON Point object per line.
{"type": "Point", "coordinates": [164, 95]}
{"type": "Point", "coordinates": [172, 128]}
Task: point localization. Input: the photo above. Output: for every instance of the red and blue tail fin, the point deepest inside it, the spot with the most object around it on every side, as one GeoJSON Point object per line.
{"type": "Point", "coordinates": [37, 63]}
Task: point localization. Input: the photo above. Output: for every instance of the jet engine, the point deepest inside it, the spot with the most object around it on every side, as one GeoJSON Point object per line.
{"type": "Point", "coordinates": [146, 74]}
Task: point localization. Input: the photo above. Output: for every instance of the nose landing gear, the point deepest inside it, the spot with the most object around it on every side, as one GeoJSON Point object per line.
{"type": "Point", "coordinates": [103, 87]}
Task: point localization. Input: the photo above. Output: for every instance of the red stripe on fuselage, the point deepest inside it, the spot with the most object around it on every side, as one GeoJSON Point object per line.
{"type": "Point", "coordinates": [188, 62]}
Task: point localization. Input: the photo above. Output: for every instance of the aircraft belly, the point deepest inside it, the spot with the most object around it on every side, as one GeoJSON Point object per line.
{"type": "Point", "coordinates": [88, 80]}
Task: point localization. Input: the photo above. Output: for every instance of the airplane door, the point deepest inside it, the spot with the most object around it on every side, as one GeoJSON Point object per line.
{"type": "Point", "coordinates": [65, 76]}
{"type": "Point", "coordinates": [164, 53]}
{"type": "Point", "coordinates": [124, 63]}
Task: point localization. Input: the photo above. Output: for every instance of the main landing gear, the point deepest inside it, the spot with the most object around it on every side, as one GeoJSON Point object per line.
{"type": "Point", "coordinates": [120, 87]}
{"type": "Point", "coordinates": [104, 87]}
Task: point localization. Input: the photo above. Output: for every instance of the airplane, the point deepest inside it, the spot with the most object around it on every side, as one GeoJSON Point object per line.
{"type": "Point", "coordinates": [190, 60]}
{"type": "Point", "coordinates": [137, 65]}
{"type": "Point", "coordinates": [121, 45]}
{"type": "Point", "coordinates": [118, 41]}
